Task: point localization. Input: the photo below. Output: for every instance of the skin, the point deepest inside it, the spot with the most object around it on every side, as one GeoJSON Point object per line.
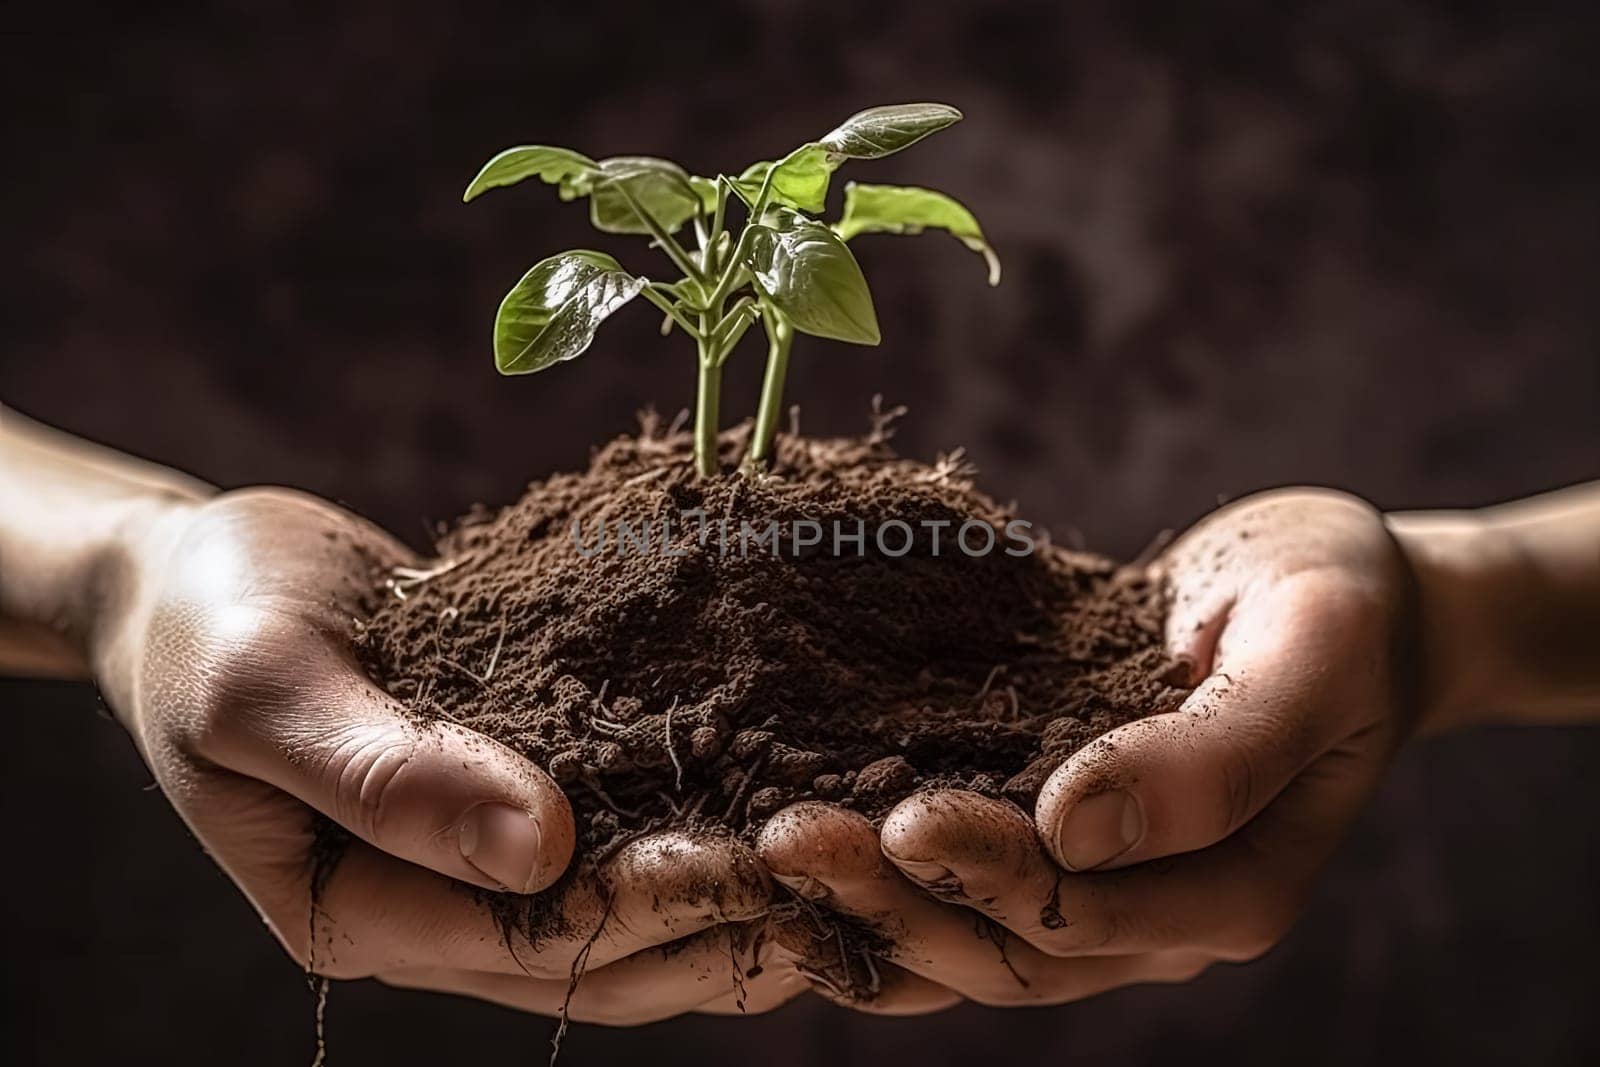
{"type": "Point", "coordinates": [1320, 635]}
{"type": "Point", "coordinates": [218, 628]}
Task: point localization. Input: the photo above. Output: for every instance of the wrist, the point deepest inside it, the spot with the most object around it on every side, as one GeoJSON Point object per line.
{"type": "Point", "coordinates": [1459, 564]}
{"type": "Point", "coordinates": [67, 591]}
{"type": "Point", "coordinates": [79, 528]}
{"type": "Point", "coordinates": [1510, 603]}
{"type": "Point", "coordinates": [129, 570]}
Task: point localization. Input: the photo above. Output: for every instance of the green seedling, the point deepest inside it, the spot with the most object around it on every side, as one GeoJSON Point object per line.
{"type": "Point", "coordinates": [784, 267]}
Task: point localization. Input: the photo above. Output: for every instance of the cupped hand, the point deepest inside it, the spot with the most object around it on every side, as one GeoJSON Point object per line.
{"type": "Point", "coordinates": [1174, 841]}
{"type": "Point", "coordinates": [226, 652]}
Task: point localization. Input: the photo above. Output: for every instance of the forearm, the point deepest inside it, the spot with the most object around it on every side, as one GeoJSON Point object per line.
{"type": "Point", "coordinates": [72, 519]}
{"type": "Point", "coordinates": [1510, 609]}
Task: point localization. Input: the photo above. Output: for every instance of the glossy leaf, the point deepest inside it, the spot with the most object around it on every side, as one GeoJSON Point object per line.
{"type": "Point", "coordinates": [801, 180]}
{"type": "Point", "coordinates": [907, 209]}
{"type": "Point", "coordinates": [552, 313]}
{"type": "Point", "coordinates": [660, 186]}
{"type": "Point", "coordinates": [553, 165]}
{"type": "Point", "coordinates": [882, 131]}
{"type": "Point", "coordinates": [809, 273]}
{"type": "Point", "coordinates": [802, 177]}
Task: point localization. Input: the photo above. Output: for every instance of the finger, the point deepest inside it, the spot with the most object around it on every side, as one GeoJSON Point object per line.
{"type": "Point", "coordinates": [435, 794]}
{"type": "Point", "coordinates": [1184, 780]}
{"type": "Point", "coordinates": [981, 853]}
{"type": "Point", "coordinates": [1235, 899]}
{"type": "Point", "coordinates": [648, 986]}
{"type": "Point", "coordinates": [774, 985]}
{"type": "Point", "coordinates": [786, 973]}
{"type": "Point", "coordinates": [832, 854]}
{"type": "Point", "coordinates": [895, 992]}
{"type": "Point", "coordinates": [376, 913]}
{"type": "Point", "coordinates": [654, 891]}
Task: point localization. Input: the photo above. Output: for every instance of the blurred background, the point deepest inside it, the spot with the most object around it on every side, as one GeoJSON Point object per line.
{"type": "Point", "coordinates": [1245, 244]}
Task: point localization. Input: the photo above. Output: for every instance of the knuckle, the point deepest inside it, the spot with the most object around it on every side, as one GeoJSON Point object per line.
{"type": "Point", "coordinates": [364, 768]}
{"type": "Point", "coordinates": [1239, 790]}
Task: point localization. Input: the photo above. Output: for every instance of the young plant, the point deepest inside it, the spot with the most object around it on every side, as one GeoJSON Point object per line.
{"type": "Point", "coordinates": [783, 268]}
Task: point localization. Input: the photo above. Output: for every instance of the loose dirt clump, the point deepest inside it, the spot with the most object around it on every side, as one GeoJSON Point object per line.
{"type": "Point", "coordinates": [706, 679]}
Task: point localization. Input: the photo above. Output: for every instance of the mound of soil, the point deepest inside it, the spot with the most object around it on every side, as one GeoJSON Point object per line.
{"type": "Point", "coordinates": [712, 678]}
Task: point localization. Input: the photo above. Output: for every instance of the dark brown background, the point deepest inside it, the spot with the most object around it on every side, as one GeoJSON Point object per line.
{"type": "Point", "coordinates": [1246, 244]}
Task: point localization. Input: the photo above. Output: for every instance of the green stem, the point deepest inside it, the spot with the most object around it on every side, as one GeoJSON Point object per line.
{"type": "Point", "coordinates": [732, 327]}
{"type": "Point", "coordinates": [718, 220]}
{"type": "Point", "coordinates": [736, 259]}
{"type": "Point", "coordinates": [707, 403]}
{"type": "Point", "coordinates": [780, 336]}
{"type": "Point", "coordinates": [731, 270]}
{"type": "Point", "coordinates": [671, 309]}
{"type": "Point", "coordinates": [669, 244]}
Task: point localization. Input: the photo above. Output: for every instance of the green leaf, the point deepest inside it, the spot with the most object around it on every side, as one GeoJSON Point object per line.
{"type": "Point", "coordinates": [801, 180]}
{"type": "Point", "coordinates": [907, 209]}
{"type": "Point", "coordinates": [553, 165]}
{"type": "Point", "coordinates": [660, 186]}
{"type": "Point", "coordinates": [809, 273]}
{"type": "Point", "coordinates": [706, 190]}
{"type": "Point", "coordinates": [882, 131]}
{"type": "Point", "coordinates": [552, 313]}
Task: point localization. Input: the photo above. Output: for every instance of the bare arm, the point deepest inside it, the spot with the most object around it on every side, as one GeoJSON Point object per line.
{"type": "Point", "coordinates": [1510, 608]}
{"type": "Point", "coordinates": [70, 512]}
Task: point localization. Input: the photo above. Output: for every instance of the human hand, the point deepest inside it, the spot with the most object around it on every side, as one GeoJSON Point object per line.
{"type": "Point", "coordinates": [222, 643]}
{"type": "Point", "coordinates": [1174, 841]}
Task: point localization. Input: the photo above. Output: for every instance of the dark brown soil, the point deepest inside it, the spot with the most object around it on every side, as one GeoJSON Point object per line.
{"type": "Point", "coordinates": [716, 685]}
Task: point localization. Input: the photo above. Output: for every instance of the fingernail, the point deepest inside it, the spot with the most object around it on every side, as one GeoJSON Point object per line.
{"type": "Point", "coordinates": [1099, 829]}
{"type": "Point", "coordinates": [503, 843]}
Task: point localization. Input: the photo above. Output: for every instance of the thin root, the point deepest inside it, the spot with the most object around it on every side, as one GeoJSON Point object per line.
{"type": "Point", "coordinates": [676, 765]}
{"type": "Point", "coordinates": [580, 963]}
{"type": "Point", "coordinates": [403, 580]}
{"type": "Point", "coordinates": [822, 980]}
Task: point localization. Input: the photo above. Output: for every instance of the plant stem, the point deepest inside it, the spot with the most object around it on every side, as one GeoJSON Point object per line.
{"type": "Point", "coordinates": [707, 402]}
{"type": "Point", "coordinates": [780, 336]}
{"type": "Point", "coordinates": [667, 306]}
{"type": "Point", "coordinates": [718, 218]}
{"type": "Point", "coordinates": [731, 270]}
{"type": "Point", "coordinates": [736, 260]}
{"type": "Point", "coordinates": [669, 244]}
{"type": "Point", "coordinates": [732, 327]}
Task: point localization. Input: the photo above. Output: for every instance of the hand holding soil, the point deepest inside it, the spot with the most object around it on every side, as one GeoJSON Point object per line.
{"type": "Point", "coordinates": [1292, 611]}
{"type": "Point", "coordinates": [1320, 636]}
{"type": "Point", "coordinates": [1316, 636]}
{"type": "Point", "coordinates": [218, 628]}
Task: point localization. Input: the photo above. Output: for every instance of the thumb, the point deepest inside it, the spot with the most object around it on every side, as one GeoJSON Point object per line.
{"type": "Point", "coordinates": [436, 794]}
{"type": "Point", "coordinates": [1185, 780]}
